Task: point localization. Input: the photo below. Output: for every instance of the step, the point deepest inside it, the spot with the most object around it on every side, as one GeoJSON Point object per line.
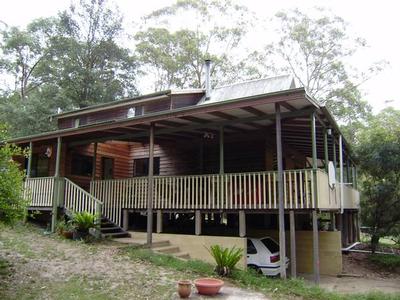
{"type": "Point", "coordinates": [116, 234]}
{"type": "Point", "coordinates": [108, 229]}
{"type": "Point", "coordinates": [106, 224]}
{"type": "Point", "coordinates": [182, 255]}
{"type": "Point", "coordinates": [167, 249]}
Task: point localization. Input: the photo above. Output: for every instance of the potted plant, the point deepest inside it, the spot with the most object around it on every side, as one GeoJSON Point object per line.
{"type": "Point", "coordinates": [226, 258]}
{"type": "Point", "coordinates": [83, 222]}
{"type": "Point", "coordinates": [65, 228]}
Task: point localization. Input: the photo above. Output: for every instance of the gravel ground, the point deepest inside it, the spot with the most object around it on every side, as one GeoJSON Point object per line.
{"type": "Point", "coordinates": [46, 267]}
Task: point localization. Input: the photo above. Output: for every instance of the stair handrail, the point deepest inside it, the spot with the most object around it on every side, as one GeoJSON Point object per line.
{"type": "Point", "coordinates": [98, 203]}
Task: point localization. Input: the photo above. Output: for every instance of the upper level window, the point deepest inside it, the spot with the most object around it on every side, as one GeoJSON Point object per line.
{"type": "Point", "coordinates": [131, 112]}
{"type": "Point", "coordinates": [81, 165]}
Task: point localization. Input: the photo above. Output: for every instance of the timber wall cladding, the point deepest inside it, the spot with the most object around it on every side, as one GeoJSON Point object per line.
{"type": "Point", "coordinates": [118, 151]}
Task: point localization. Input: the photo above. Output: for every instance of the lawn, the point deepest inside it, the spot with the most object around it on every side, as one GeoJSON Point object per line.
{"type": "Point", "coordinates": [38, 266]}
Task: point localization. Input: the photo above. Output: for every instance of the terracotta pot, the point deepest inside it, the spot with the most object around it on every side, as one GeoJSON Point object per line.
{"type": "Point", "coordinates": [184, 288]}
{"type": "Point", "coordinates": [208, 286]}
{"type": "Point", "coordinates": [68, 234]}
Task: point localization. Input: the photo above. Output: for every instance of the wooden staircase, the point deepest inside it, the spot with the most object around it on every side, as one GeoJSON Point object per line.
{"type": "Point", "coordinates": [109, 229]}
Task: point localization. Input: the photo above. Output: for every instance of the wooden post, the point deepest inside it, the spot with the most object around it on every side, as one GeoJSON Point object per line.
{"type": "Point", "coordinates": [198, 219]}
{"type": "Point", "coordinates": [57, 186]}
{"type": "Point", "coordinates": [293, 269]}
{"type": "Point", "coordinates": [221, 150]}
{"type": "Point", "coordinates": [315, 247]}
{"type": "Point", "coordinates": [332, 225]}
{"type": "Point", "coordinates": [150, 187]}
{"type": "Point", "coordinates": [29, 166]}
{"type": "Point", "coordinates": [94, 161]}
{"type": "Point", "coordinates": [201, 157]}
{"type": "Point", "coordinates": [242, 223]}
{"type": "Point", "coordinates": [159, 221]}
{"type": "Point", "coordinates": [334, 153]}
{"type": "Point", "coordinates": [125, 219]}
{"type": "Point", "coordinates": [341, 173]}
{"type": "Point", "coordinates": [314, 157]}
{"type": "Point", "coordinates": [282, 239]}
{"type": "Point", "coordinates": [326, 150]}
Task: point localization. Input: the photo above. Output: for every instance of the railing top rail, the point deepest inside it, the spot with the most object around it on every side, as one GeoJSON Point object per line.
{"type": "Point", "coordinates": [83, 191]}
{"type": "Point", "coordinates": [38, 178]}
{"type": "Point", "coordinates": [211, 175]}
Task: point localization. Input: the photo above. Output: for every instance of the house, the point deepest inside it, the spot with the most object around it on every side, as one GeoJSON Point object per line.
{"type": "Point", "coordinates": [221, 164]}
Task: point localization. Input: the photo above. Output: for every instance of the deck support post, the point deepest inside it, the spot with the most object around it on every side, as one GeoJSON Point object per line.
{"type": "Point", "coordinates": [314, 157]}
{"type": "Point", "coordinates": [242, 223]}
{"type": "Point", "coordinates": [57, 186]}
{"type": "Point", "coordinates": [221, 150]}
{"type": "Point", "coordinates": [341, 174]}
{"type": "Point", "coordinates": [94, 161]}
{"type": "Point", "coordinates": [159, 221]}
{"type": "Point", "coordinates": [326, 151]}
{"type": "Point", "coordinates": [29, 166]}
{"type": "Point", "coordinates": [282, 239]}
{"type": "Point", "coordinates": [293, 263]}
{"type": "Point", "coordinates": [315, 247]}
{"type": "Point", "coordinates": [125, 219]}
{"type": "Point", "coordinates": [332, 225]}
{"type": "Point", "coordinates": [150, 187]}
{"type": "Point", "coordinates": [197, 220]}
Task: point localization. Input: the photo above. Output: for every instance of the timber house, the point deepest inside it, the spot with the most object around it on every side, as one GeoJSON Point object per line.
{"type": "Point", "coordinates": [211, 165]}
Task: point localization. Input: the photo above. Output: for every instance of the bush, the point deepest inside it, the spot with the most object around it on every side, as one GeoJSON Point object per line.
{"type": "Point", "coordinates": [83, 221]}
{"type": "Point", "coordinates": [13, 206]}
{"type": "Point", "coordinates": [225, 258]}
{"type": "Point", "coordinates": [387, 261]}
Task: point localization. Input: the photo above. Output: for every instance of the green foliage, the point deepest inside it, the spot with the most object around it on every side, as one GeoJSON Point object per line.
{"type": "Point", "coordinates": [389, 262]}
{"type": "Point", "coordinates": [69, 61]}
{"type": "Point", "coordinates": [83, 221]}
{"type": "Point", "coordinates": [225, 258]}
{"type": "Point", "coordinates": [378, 151]}
{"type": "Point", "coordinates": [13, 206]}
{"type": "Point", "coordinates": [175, 57]}
{"type": "Point", "coordinates": [65, 226]}
{"type": "Point", "coordinates": [314, 46]}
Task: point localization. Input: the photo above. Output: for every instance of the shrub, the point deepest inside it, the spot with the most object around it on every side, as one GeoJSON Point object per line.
{"type": "Point", "coordinates": [13, 206]}
{"type": "Point", "coordinates": [225, 258]}
{"type": "Point", "coordinates": [83, 221]}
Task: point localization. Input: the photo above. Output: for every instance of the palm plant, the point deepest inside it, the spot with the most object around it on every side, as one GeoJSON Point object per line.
{"type": "Point", "coordinates": [83, 221]}
{"type": "Point", "coordinates": [225, 258]}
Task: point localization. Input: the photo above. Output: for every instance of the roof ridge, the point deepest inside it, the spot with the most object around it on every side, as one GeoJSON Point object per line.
{"type": "Point", "coordinates": [252, 80]}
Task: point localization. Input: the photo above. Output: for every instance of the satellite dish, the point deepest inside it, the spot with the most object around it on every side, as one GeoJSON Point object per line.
{"type": "Point", "coordinates": [331, 175]}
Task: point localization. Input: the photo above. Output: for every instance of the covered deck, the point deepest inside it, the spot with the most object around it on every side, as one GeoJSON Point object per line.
{"type": "Point", "coordinates": [268, 153]}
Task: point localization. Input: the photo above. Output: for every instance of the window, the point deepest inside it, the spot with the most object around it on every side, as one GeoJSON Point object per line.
{"type": "Point", "coordinates": [81, 165]}
{"type": "Point", "coordinates": [250, 247]}
{"type": "Point", "coordinates": [40, 166]}
{"type": "Point", "coordinates": [108, 168]}
{"type": "Point", "coordinates": [271, 245]}
{"type": "Point", "coordinates": [141, 166]}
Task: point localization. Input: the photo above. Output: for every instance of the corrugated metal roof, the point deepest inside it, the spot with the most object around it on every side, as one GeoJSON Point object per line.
{"type": "Point", "coordinates": [251, 88]}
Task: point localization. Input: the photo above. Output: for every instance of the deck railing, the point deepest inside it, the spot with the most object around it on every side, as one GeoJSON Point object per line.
{"type": "Point", "coordinates": [253, 190]}
{"type": "Point", "coordinates": [79, 200]}
{"type": "Point", "coordinates": [39, 191]}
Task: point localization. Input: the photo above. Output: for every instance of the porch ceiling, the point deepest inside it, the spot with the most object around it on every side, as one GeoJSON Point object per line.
{"type": "Point", "coordinates": [248, 115]}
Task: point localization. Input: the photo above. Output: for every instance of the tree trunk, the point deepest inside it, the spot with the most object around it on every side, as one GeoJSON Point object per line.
{"type": "Point", "coordinates": [374, 242]}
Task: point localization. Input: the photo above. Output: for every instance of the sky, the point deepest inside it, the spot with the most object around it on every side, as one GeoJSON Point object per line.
{"type": "Point", "coordinates": [376, 21]}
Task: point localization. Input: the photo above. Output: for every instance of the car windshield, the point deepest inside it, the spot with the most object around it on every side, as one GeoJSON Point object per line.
{"type": "Point", "coordinates": [271, 245]}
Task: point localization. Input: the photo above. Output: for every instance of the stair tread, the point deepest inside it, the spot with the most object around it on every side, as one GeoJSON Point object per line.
{"type": "Point", "coordinates": [124, 233]}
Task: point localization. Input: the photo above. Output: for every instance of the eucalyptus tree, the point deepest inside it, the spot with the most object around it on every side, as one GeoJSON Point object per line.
{"type": "Point", "coordinates": [174, 55]}
{"type": "Point", "coordinates": [318, 50]}
{"type": "Point", "coordinates": [378, 152]}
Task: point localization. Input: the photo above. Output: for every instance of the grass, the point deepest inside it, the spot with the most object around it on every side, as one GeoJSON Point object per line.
{"type": "Point", "coordinates": [270, 286]}
{"type": "Point", "coordinates": [4, 267]}
{"type": "Point", "coordinates": [390, 262]}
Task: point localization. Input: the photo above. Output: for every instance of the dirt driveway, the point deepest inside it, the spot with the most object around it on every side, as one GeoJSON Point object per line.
{"type": "Point", "coordinates": [43, 267]}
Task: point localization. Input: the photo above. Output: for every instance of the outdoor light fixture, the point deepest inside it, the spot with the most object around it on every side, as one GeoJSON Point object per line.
{"type": "Point", "coordinates": [329, 131]}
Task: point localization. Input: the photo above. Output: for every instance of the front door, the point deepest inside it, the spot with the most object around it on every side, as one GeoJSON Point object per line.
{"type": "Point", "coordinates": [108, 168]}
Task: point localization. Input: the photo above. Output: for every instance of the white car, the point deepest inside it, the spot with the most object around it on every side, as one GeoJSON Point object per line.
{"type": "Point", "coordinates": [263, 256]}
